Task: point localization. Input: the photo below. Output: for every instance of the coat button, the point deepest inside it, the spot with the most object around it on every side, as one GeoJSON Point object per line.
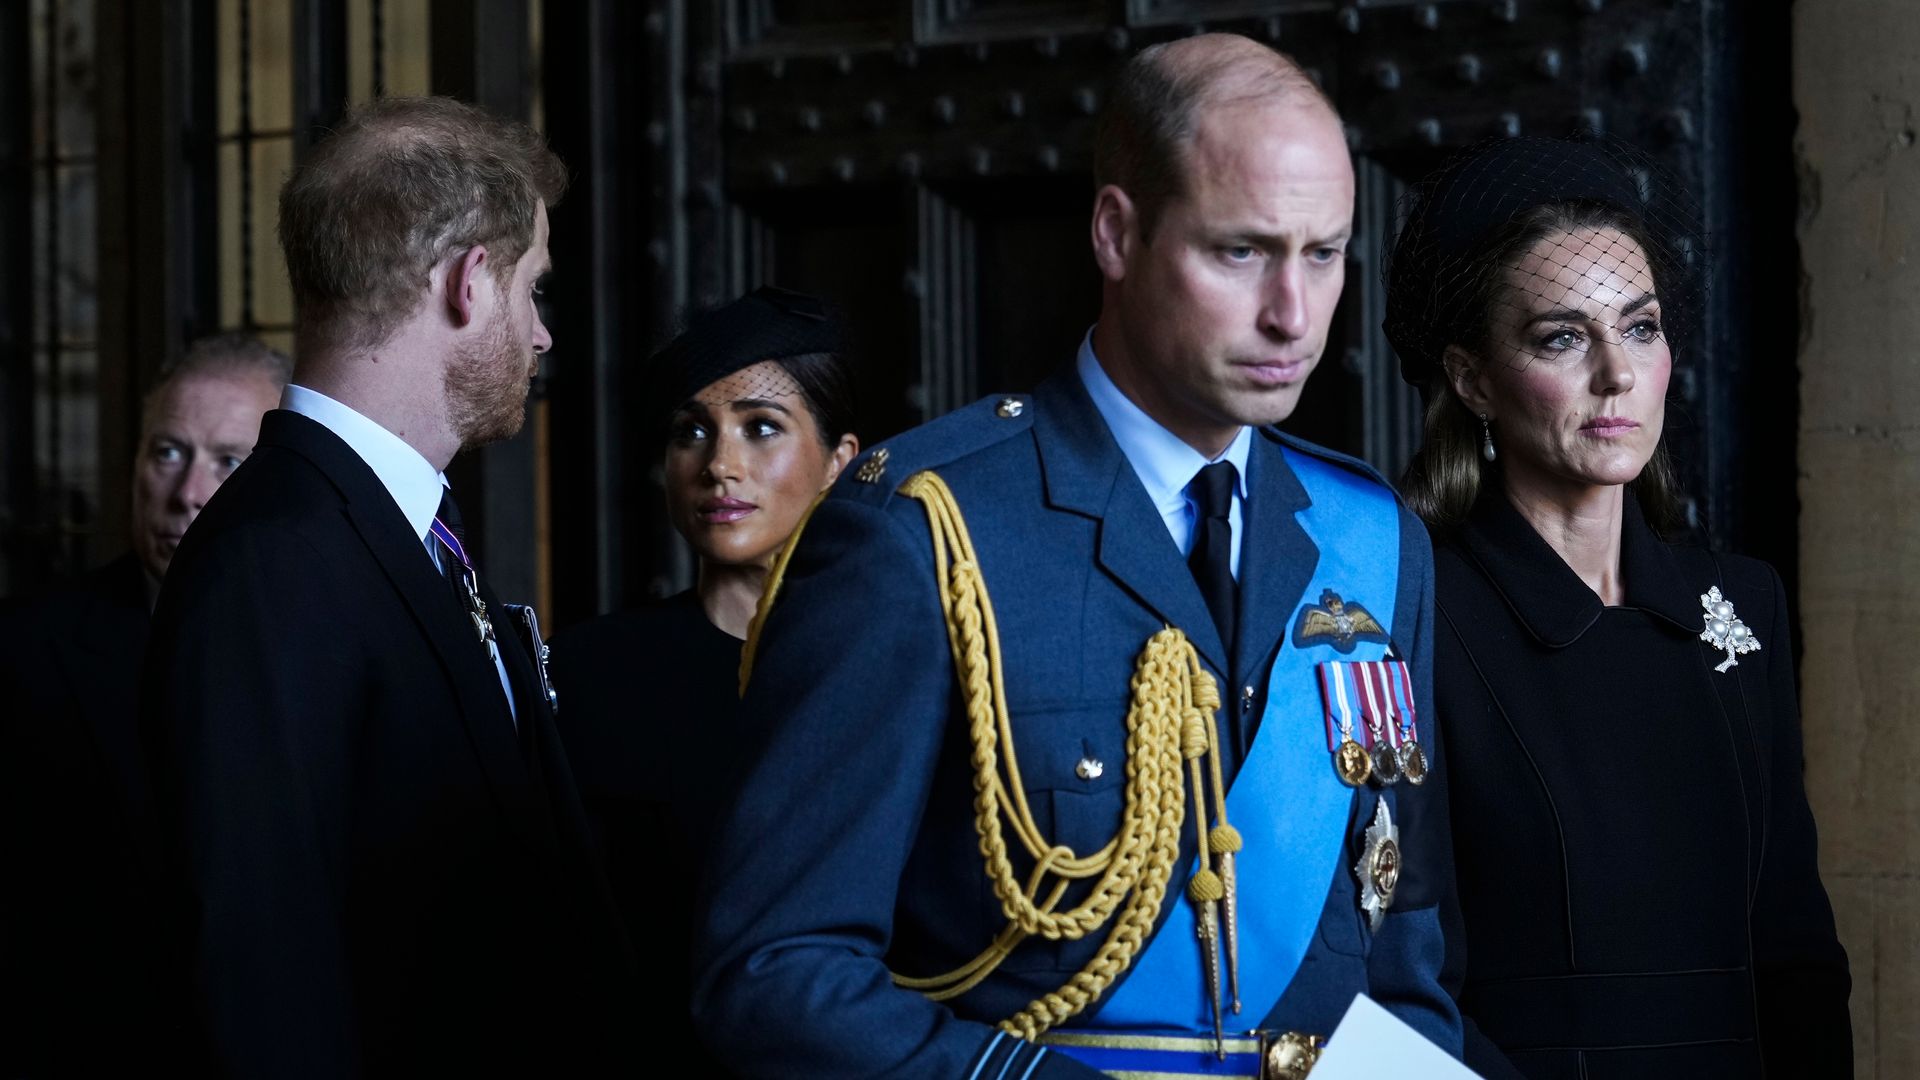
{"type": "Point", "coordinates": [1011, 407]}
{"type": "Point", "coordinates": [1089, 769]}
{"type": "Point", "coordinates": [1246, 699]}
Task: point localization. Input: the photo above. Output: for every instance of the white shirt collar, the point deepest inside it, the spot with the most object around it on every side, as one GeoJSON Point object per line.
{"type": "Point", "coordinates": [1163, 461]}
{"type": "Point", "coordinates": [410, 478]}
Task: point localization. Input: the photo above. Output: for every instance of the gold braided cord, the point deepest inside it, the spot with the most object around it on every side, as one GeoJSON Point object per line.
{"type": "Point", "coordinates": [1169, 719]}
{"type": "Point", "coordinates": [1170, 727]}
{"type": "Point", "coordinates": [776, 573]}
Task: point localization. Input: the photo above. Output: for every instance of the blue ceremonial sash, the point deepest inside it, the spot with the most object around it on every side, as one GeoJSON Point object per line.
{"type": "Point", "coordinates": [1286, 800]}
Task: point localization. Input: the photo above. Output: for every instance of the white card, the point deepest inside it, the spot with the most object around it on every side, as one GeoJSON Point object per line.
{"type": "Point", "coordinates": [1373, 1044]}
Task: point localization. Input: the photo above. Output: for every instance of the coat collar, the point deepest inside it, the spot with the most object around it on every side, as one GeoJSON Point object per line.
{"type": "Point", "coordinates": [389, 536]}
{"type": "Point", "coordinates": [1271, 581]}
{"type": "Point", "coordinates": [1545, 593]}
{"type": "Point", "coordinates": [1085, 472]}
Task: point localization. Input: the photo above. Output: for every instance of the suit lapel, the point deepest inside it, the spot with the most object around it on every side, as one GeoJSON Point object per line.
{"type": "Point", "coordinates": [410, 570]}
{"type": "Point", "coordinates": [1086, 473]}
{"type": "Point", "coordinates": [1277, 557]}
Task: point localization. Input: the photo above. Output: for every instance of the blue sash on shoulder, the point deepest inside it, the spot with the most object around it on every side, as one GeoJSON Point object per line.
{"type": "Point", "coordinates": [1286, 801]}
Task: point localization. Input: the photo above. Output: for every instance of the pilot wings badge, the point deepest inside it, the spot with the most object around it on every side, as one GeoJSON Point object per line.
{"type": "Point", "coordinates": [1335, 622]}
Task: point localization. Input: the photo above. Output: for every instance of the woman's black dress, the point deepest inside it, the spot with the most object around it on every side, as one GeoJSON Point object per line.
{"type": "Point", "coordinates": [648, 702]}
{"type": "Point", "coordinates": [1638, 889]}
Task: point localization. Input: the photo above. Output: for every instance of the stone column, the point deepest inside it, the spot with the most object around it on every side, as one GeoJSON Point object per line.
{"type": "Point", "coordinates": [1856, 73]}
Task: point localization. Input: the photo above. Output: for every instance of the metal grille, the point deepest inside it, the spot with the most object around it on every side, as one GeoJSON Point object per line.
{"type": "Point", "coordinates": [55, 505]}
{"type": "Point", "coordinates": [259, 127]}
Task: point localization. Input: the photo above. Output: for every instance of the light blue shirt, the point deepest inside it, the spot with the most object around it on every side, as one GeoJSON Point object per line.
{"type": "Point", "coordinates": [1164, 462]}
{"type": "Point", "coordinates": [410, 478]}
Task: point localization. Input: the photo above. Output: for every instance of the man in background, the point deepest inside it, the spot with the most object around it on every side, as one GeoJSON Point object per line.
{"type": "Point", "coordinates": [76, 956]}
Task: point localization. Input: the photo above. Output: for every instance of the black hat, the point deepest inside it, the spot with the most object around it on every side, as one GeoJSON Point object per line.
{"type": "Point", "coordinates": [1452, 219]}
{"type": "Point", "coordinates": [769, 323]}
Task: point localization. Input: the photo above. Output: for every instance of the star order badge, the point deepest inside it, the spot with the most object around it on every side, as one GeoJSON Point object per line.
{"type": "Point", "coordinates": [1379, 865]}
{"type": "Point", "coordinates": [1338, 623]}
{"type": "Point", "coordinates": [1724, 630]}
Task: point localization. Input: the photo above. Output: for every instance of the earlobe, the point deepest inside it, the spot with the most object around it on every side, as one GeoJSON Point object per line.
{"type": "Point", "coordinates": [463, 283]}
{"type": "Point", "coordinates": [846, 450]}
{"type": "Point", "coordinates": [1466, 376]}
{"type": "Point", "coordinates": [1113, 231]}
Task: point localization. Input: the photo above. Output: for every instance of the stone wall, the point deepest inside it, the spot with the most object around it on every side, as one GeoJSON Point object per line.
{"type": "Point", "coordinates": [1856, 83]}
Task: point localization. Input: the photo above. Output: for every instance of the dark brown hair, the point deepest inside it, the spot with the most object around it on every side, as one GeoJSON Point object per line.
{"type": "Point", "coordinates": [826, 384]}
{"type": "Point", "coordinates": [401, 184]}
{"type": "Point", "coordinates": [1446, 475]}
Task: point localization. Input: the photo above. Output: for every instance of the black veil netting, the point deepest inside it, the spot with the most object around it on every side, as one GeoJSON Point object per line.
{"type": "Point", "coordinates": [1478, 257]}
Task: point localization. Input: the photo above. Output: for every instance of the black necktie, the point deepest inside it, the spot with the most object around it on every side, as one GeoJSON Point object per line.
{"type": "Point", "coordinates": [1211, 559]}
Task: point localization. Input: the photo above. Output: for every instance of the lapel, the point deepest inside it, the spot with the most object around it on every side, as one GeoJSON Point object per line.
{"type": "Point", "coordinates": [1277, 557]}
{"type": "Point", "coordinates": [1551, 601]}
{"type": "Point", "coordinates": [1085, 473]}
{"type": "Point", "coordinates": [402, 556]}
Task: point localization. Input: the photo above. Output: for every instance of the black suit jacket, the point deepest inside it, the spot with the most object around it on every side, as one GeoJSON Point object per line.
{"type": "Point", "coordinates": [376, 874]}
{"type": "Point", "coordinates": [75, 956]}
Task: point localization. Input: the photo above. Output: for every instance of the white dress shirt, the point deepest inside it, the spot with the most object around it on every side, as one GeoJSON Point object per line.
{"type": "Point", "coordinates": [411, 479]}
{"type": "Point", "coordinates": [1164, 462]}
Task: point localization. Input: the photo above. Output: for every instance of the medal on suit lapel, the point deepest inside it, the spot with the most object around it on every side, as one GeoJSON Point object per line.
{"type": "Point", "coordinates": [1413, 760]}
{"type": "Point", "coordinates": [470, 583]}
{"type": "Point", "coordinates": [1350, 760]}
{"type": "Point", "coordinates": [1377, 707]}
{"type": "Point", "coordinates": [1379, 865]}
{"type": "Point", "coordinates": [477, 611]}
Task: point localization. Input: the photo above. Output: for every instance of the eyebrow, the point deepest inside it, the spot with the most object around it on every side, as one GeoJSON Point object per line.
{"type": "Point", "coordinates": [1275, 240]}
{"type": "Point", "coordinates": [235, 449]}
{"type": "Point", "coordinates": [1569, 315]}
{"type": "Point", "coordinates": [759, 403]}
{"type": "Point", "coordinates": [701, 407]}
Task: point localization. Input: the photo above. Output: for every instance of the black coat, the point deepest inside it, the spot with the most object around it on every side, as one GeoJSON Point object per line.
{"type": "Point", "coordinates": [1638, 888]}
{"type": "Point", "coordinates": [76, 957]}
{"type": "Point", "coordinates": [649, 711]}
{"type": "Point", "coordinates": [376, 874]}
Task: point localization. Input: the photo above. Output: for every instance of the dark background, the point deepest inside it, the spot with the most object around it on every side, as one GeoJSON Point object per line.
{"type": "Point", "coordinates": [923, 163]}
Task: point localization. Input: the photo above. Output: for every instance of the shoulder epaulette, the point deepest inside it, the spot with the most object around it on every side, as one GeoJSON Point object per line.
{"type": "Point", "coordinates": [875, 475]}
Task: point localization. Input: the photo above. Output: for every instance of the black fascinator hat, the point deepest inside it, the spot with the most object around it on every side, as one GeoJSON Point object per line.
{"type": "Point", "coordinates": [769, 323]}
{"type": "Point", "coordinates": [1442, 268]}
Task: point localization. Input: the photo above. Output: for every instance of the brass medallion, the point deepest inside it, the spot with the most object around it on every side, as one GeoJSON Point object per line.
{"type": "Point", "coordinates": [1413, 762]}
{"type": "Point", "coordinates": [1289, 1056]}
{"type": "Point", "coordinates": [1352, 763]}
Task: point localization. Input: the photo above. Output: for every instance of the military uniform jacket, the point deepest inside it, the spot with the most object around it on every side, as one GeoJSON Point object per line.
{"type": "Point", "coordinates": [371, 871]}
{"type": "Point", "coordinates": [851, 848]}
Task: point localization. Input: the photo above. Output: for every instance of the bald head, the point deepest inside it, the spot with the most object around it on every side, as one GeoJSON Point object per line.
{"type": "Point", "coordinates": [1158, 100]}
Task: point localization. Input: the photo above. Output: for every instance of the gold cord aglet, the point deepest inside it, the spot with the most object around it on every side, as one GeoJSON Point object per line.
{"type": "Point", "coordinates": [1209, 927]}
{"type": "Point", "coordinates": [1231, 930]}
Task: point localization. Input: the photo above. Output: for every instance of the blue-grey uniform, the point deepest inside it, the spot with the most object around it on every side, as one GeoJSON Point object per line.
{"type": "Point", "coordinates": [852, 858]}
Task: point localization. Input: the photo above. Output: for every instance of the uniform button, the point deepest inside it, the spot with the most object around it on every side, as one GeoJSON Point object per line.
{"type": "Point", "coordinates": [1246, 699]}
{"type": "Point", "coordinates": [1011, 407]}
{"type": "Point", "coordinates": [1089, 769]}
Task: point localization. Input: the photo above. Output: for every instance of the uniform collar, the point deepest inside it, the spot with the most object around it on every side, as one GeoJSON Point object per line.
{"type": "Point", "coordinates": [410, 478]}
{"type": "Point", "coordinates": [1163, 461]}
{"type": "Point", "coordinates": [1545, 593]}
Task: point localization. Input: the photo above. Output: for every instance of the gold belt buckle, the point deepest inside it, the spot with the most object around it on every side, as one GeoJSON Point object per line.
{"type": "Point", "coordinates": [1288, 1055]}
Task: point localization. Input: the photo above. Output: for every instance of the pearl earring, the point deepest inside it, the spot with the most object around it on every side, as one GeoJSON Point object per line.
{"type": "Point", "coordinates": [1486, 439]}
